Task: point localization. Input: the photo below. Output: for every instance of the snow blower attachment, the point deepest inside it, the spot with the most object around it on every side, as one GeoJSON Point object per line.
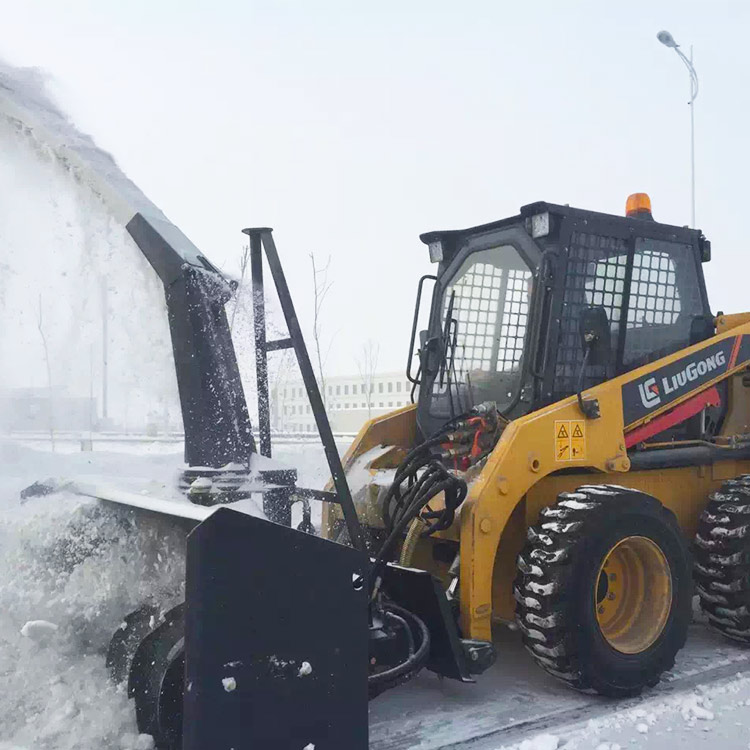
{"type": "Point", "coordinates": [284, 636]}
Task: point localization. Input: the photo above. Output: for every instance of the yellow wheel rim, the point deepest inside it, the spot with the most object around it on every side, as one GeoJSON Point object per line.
{"type": "Point", "coordinates": [633, 594]}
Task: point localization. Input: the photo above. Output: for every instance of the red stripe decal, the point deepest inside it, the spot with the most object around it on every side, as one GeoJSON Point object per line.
{"type": "Point", "coordinates": [679, 414]}
{"type": "Point", "coordinates": [735, 351]}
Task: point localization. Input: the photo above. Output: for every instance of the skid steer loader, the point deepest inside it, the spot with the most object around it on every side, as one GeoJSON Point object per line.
{"type": "Point", "coordinates": [574, 459]}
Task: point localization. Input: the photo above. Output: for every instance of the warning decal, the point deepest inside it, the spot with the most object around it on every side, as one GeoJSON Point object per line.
{"type": "Point", "coordinates": [570, 440]}
{"type": "Point", "coordinates": [578, 440]}
{"type": "Point", "coordinates": [562, 441]}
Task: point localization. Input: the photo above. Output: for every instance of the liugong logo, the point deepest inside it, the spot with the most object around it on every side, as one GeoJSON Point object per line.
{"type": "Point", "coordinates": [651, 393]}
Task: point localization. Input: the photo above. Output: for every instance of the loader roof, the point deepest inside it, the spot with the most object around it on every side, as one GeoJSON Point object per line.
{"type": "Point", "coordinates": [671, 231]}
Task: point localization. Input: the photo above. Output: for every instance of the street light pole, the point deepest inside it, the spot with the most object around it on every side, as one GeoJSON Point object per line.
{"type": "Point", "coordinates": [668, 41]}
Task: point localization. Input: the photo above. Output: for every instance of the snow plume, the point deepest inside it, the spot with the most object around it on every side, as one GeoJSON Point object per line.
{"type": "Point", "coordinates": [72, 569]}
{"type": "Point", "coordinates": [67, 265]}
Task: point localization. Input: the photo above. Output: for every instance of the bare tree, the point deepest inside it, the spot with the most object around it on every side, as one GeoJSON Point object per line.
{"type": "Point", "coordinates": [240, 286]}
{"type": "Point", "coordinates": [49, 374]}
{"type": "Point", "coordinates": [367, 364]}
{"type": "Point", "coordinates": [321, 287]}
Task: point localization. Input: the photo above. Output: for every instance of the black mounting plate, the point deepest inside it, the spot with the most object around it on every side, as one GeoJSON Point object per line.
{"type": "Point", "coordinates": [261, 601]}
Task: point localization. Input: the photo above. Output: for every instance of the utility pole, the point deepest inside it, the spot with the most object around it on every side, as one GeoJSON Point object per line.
{"type": "Point", "coordinates": [668, 41]}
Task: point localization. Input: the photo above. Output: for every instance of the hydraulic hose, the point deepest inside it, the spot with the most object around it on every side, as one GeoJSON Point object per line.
{"type": "Point", "coordinates": [388, 678]}
{"type": "Point", "coordinates": [416, 527]}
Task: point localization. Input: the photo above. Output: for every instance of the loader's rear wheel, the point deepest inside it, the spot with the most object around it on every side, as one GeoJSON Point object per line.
{"type": "Point", "coordinates": [722, 559]}
{"type": "Point", "coordinates": [604, 590]}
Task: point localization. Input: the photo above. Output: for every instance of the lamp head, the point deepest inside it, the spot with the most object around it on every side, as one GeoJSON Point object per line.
{"type": "Point", "coordinates": [667, 39]}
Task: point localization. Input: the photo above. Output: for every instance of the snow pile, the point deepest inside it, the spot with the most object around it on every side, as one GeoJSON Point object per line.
{"type": "Point", "coordinates": [541, 742]}
{"type": "Point", "coordinates": [694, 706]}
{"type": "Point", "coordinates": [39, 630]}
{"type": "Point", "coordinates": [72, 569]}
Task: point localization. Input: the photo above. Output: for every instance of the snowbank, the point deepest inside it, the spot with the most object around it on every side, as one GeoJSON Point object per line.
{"type": "Point", "coordinates": [71, 570]}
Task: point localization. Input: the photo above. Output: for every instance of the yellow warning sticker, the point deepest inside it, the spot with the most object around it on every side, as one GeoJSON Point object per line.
{"type": "Point", "coordinates": [570, 440]}
{"type": "Point", "coordinates": [562, 441]}
{"type": "Point", "coordinates": [578, 440]}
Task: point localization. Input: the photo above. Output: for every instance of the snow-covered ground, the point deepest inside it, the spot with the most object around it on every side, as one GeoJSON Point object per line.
{"type": "Point", "coordinates": [59, 605]}
{"type": "Point", "coordinates": [516, 705]}
{"type": "Point", "coordinates": [713, 713]}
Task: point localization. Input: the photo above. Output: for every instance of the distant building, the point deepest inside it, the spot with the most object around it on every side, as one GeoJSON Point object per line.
{"type": "Point", "coordinates": [348, 403]}
{"type": "Point", "coordinates": [32, 409]}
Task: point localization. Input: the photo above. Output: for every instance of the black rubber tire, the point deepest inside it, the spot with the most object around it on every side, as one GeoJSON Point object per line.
{"type": "Point", "coordinates": [558, 572]}
{"type": "Point", "coordinates": [722, 559]}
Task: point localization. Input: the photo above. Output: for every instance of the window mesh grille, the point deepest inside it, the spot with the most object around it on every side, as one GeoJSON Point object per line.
{"type": "Point", "coordinates": [663, 300]}
{"type": "Point", "coordinates": [491, 309]}
{"type": "Point", "coordinates": [514, 320]}
{"type": "Point", "coordinates": [475, 306]}
{"type": "Point", "coordinates": [595, 276]}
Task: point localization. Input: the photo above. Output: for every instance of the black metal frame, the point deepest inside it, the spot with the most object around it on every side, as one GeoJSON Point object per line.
{"type": "Point", "coordinates": [261, 240]}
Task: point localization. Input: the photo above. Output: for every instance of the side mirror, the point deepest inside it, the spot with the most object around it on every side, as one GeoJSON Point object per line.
{"type": "Point", "coordinates": [595, 335]}
{"type": "Point", "coordinates": [429, 354]}
{"type": "Point", "coordinates": [595, 338]}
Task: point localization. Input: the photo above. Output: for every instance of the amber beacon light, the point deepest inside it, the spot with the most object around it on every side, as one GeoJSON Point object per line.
{"type": "Point", "coordinates": [638, 204]}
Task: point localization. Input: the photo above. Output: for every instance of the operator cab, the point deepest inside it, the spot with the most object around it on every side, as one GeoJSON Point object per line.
{"type": "Point", "coordinates": [509, 299]}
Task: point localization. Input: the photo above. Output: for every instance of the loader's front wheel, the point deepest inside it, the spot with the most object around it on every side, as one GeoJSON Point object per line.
{"type": "Point", "coordinates": [604, 590]}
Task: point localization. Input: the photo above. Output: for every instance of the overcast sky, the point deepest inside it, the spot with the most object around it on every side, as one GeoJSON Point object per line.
{"type": "Point", "coordinates": [352, 127]}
